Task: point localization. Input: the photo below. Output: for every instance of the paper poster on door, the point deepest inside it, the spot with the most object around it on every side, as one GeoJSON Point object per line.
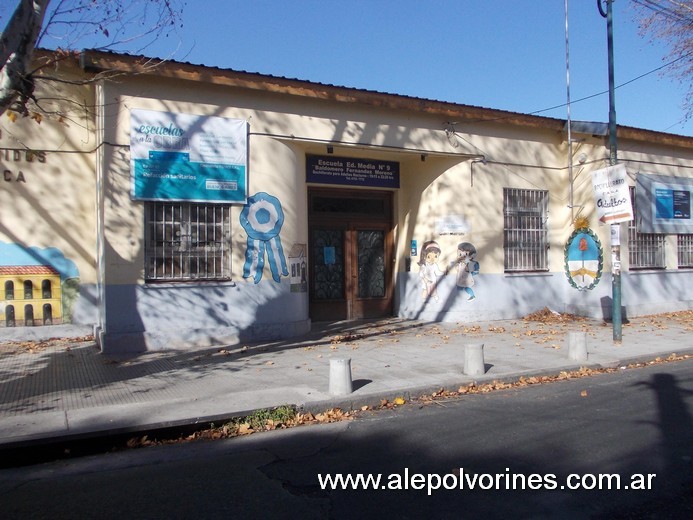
{"type": "Point", "coordinates": [329, 255]}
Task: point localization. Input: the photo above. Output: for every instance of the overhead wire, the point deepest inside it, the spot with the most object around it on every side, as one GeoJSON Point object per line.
{"type": "Point", "coordinates": [562, 105]}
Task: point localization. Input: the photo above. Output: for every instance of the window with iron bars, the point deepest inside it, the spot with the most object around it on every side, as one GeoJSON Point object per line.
{"type": "Point", "coordinates": [645, 250]}
{"type": "Point", "coordinates": [685, 250]}
{"type": "Point", "coordinates": [186, 241]}
{"type": "Point", "coordinates": [525, 229]}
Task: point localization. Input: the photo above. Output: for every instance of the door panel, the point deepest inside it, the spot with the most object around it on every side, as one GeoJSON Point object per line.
{"type": "Point", "coordinates": [370, 251]}
{"type": "Point", "coordinates": [327, 274]}
{"type": "Point", "coordinates": [370, 294]}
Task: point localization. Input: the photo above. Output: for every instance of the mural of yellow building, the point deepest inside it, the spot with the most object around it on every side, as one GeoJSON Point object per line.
{"type": "Point", "coordinates": [31, 295]}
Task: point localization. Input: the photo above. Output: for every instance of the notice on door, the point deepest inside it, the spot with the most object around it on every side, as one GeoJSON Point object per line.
{"type": "Point", "coordinates": [350, 171]}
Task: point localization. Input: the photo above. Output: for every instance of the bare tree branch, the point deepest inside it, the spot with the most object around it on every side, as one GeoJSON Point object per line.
{"type": "Point", "coordinates": [671, 22]}
{"type": "Point", "coordinates": [104, 25]}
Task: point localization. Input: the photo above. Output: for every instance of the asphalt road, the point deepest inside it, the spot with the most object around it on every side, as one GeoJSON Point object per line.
{"type": "Point", "coordinates": [634, 425]}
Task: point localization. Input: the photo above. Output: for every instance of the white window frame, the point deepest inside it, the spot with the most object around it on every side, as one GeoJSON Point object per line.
{"type": "Point", "coordinates": [187, 241]}
{"type": "Point", "coordinates": [525, 230]}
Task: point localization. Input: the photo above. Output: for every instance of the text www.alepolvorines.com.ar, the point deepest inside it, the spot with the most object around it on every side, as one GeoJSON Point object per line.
{"type": "Point", "coordinates": [462, 480]}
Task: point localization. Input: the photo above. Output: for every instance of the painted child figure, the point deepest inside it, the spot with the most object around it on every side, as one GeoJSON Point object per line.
{"type": "Point", "coordinates": [467, 268]}
{"type": "Point", "coordinates": [429, 270]}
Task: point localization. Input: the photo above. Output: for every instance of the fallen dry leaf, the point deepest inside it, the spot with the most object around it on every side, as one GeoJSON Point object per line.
{"type": "Point", "coordinates": [244, 429]}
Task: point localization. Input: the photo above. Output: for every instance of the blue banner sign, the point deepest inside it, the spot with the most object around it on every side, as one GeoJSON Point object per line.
{"type": "Point", "coordinates": [663, 204]}
{"type": "Point", "coordinates": [183, 157]}
{"type": "Point", "coordinates": [351, 171]}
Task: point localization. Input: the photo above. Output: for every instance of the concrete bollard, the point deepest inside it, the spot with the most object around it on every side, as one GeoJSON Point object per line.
{"type": "Point", "coordinates": [474, 359]}
{"type": "Point", "coordinates": [577, 346]}
{"type": "Point", "coordinates": [340, 376]}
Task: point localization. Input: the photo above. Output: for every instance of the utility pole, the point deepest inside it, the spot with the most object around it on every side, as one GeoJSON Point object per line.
{"type": "Point", "coordinates": [616, 318]}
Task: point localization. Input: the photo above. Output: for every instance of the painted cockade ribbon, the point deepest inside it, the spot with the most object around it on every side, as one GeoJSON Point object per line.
{"type": "Point", "coordinates": [262, 218]}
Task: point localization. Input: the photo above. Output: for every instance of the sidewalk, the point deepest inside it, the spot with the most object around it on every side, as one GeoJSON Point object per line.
{"type": "Point", "coordinates": [64, 389]}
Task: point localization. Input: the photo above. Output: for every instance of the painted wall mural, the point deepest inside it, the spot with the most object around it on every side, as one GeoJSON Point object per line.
{"type": "Point", "coordinates": [429, 272]}
{"type": "Point", "coordinates": [262, 219]}
{"type": "Point", "coordinates": [584, 258]}
{"type": "Point", "coordinates": [38, 286]}
{"type": "Point", "coordinates": [467, 268]}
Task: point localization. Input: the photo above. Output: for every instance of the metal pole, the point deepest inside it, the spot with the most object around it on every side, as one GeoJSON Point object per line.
{"type": "Point", "coordinates": [571, 180]}
{"type": "Point", "coordinates": [616, 318]}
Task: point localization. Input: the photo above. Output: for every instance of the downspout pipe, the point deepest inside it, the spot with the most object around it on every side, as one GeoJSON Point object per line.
{"type": "Point", "coordinates": [100, 327]}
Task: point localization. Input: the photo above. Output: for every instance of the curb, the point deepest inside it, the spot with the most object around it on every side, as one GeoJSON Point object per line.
{"type": "Point", "coordinates": [346, 403]}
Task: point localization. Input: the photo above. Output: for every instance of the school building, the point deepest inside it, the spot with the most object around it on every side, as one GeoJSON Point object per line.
{"type": "Point", "coordinates": [174, 204]}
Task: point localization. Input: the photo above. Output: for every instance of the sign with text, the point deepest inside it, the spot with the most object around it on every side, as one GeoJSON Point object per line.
{"type": "Point", "coordinates": [183, 157]}
{"type": "Point", "coordinates": [663, 204]}
{"type": "Point", "coordinates": [351, 171]}
{"type": "Point", "coordinates": [452, 225]}
{"type": "Point", "coordinates": [612, 195]}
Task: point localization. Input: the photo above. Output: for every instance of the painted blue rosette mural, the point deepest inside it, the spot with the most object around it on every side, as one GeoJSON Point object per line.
{"type": "Point", "coordinates": [262, 219]}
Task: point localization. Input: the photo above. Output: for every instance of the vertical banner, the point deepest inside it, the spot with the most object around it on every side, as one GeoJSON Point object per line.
{"type": "Point", "coordinates": [183, 157]}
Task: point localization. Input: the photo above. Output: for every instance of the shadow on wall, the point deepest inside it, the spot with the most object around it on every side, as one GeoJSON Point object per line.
{"type": "Point", "coordinates": [495, 296]}
{"type": "Point", "coordinates": [156, 316]}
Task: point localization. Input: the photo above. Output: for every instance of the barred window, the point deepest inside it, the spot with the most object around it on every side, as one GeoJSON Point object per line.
{"type": "Point", "coordinates": [185, 241]}
{"type": "Point", "coordinates": [525, 229]}
{"type": "Point", "coordinates": [685, 250]}
{"type": "Point", "coordinates": [645, 250]}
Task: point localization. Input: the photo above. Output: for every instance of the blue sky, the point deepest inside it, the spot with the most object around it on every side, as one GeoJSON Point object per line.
{"type": "Point", "coordinates": [504, 54]}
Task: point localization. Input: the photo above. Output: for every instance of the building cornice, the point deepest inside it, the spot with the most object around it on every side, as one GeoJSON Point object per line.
{"type": "Point", "coordinates": [100, 62]}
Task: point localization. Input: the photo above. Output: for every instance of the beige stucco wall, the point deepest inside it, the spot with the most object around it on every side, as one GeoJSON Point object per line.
{"type": "Point", "coordinates": [447, 170]}
{"type": "Point", "coordinates": [47, 188]}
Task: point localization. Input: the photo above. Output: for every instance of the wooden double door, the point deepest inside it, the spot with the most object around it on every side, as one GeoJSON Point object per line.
{"type": "Point", "coordinates": [350, 254]}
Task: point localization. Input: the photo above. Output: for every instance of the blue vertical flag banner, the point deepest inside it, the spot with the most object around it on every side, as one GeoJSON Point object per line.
{"type": "Point", "coordinates": [183, 157]}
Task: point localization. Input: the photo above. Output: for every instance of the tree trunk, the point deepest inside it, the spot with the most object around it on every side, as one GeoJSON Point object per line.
{"type": "Point", "coordinates": [16, 49]}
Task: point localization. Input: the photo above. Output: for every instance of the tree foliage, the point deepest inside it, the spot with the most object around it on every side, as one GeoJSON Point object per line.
{"type": "Point", "coordinates": [671, 22]}
{"type": "Point", "coordinates": [64, 25]}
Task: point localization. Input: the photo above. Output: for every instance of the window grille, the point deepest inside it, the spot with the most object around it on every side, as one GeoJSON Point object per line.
{"type": "Point", "coordinates": [186, 241]}
{"type": "Point", "coordinates": [685, 250]}
{"type": "Point", "coordinates": [645, 250]}
{"type": "Point", "coordinates": [525, 229]}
